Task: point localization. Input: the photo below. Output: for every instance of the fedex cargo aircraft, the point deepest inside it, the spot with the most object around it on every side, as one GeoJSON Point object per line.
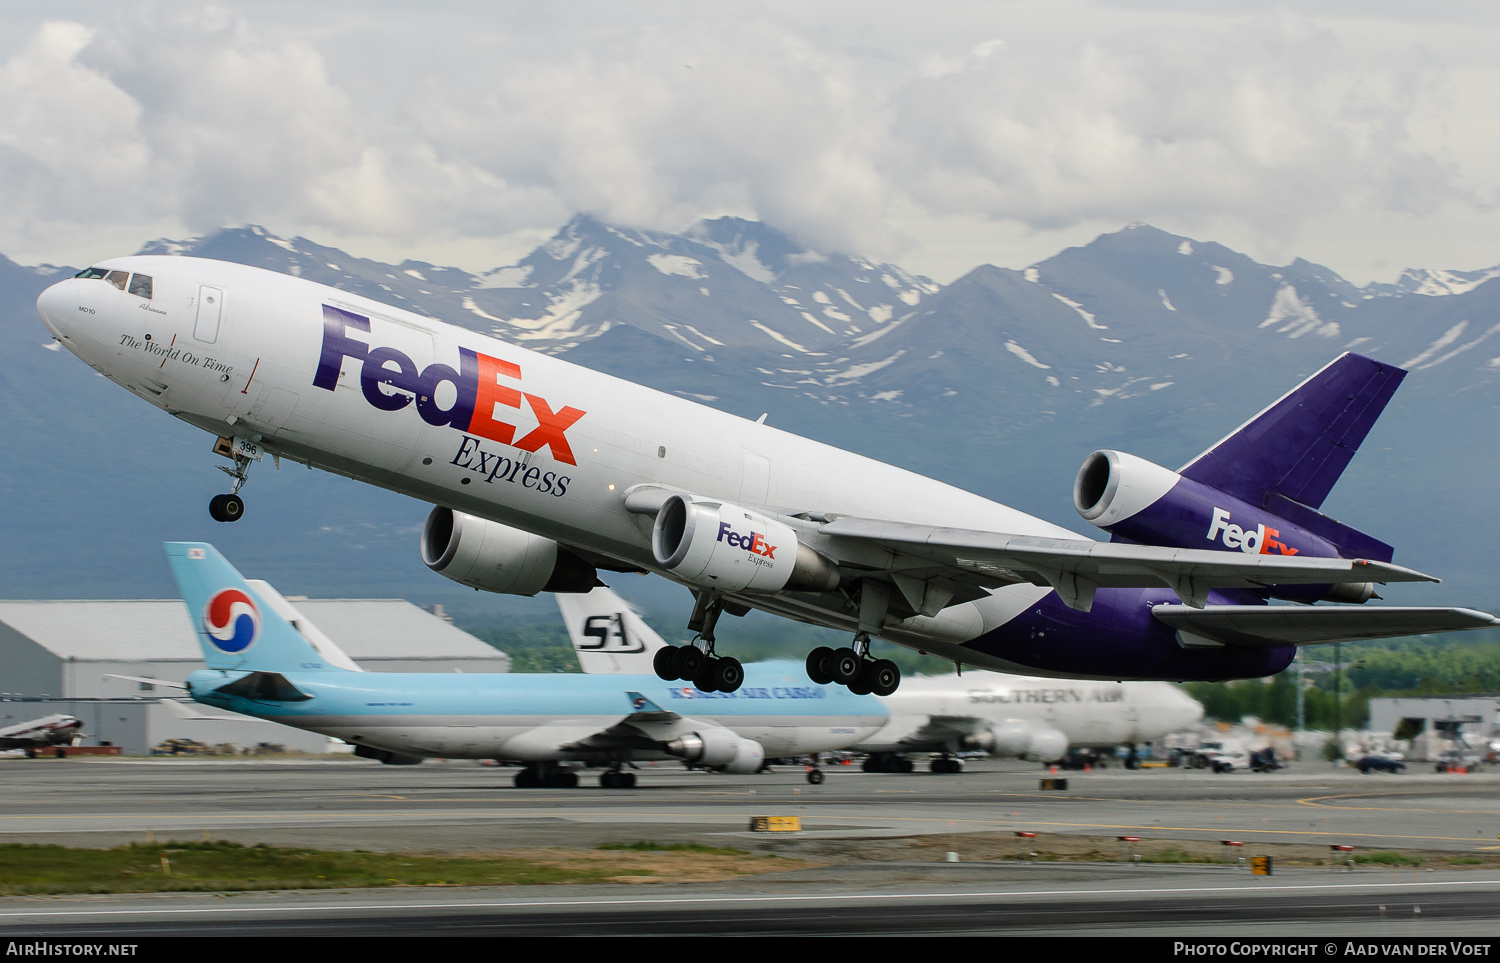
{"type": "Point", "coordinates": [543, 474]}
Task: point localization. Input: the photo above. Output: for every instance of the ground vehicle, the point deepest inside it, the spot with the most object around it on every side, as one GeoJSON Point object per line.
{"type": "Point", "coordinates": [1369, 764]}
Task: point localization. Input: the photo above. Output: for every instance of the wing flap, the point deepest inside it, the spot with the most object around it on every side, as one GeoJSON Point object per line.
{"type": "Point", "coordinates": [1268, 625]}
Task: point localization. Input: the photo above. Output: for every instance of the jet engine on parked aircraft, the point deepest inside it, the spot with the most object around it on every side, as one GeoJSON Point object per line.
{"type": "Point", "coordinates": [724, 547]}
{"type": "Point", "coordinates": [721, 749]}
{"type": "Point", "coordinates": [497, 558]}
{"type": "Point", "coordinates": [1016, 737]}
{"type": "Point", "coordinates": [1138, 501]}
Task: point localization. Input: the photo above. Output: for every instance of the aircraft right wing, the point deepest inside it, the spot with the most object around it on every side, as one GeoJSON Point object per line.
{"type": "Point", "coordinates": [1257, 625]}
{"type": "Point", "coordinates": [921, 558]}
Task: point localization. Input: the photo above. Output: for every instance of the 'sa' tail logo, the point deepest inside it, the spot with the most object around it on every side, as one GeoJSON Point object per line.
{"type": "Point", "coordinates": [231, 620]}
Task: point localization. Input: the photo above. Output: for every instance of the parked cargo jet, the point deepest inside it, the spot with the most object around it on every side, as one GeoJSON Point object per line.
{"type": "Point", "coordinates": [55, 730]}
{"type": "Point", "coordinates": [544, 473]}
{"type": "Point", "coordinates": [1004, 715]}
{"type": "Point", "coordinates": [265, 660]}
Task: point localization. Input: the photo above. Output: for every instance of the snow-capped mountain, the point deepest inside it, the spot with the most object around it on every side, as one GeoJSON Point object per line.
{"type": "Point", "coordinates": [1000, 382]}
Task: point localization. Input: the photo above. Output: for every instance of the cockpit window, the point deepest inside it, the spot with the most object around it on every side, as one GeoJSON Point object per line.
{"type": "Point", "coordinates": [140, 284]}
{"type": "Point", "coordinates": [117, 278]}
{"type": "Point", "coordinates": [93, 272]}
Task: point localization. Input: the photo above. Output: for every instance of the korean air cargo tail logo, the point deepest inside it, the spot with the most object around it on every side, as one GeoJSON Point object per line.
{"type": "Point", "coordinates": [1254, 541]}
{"type": "Point", "coordinates": [231, 621]}
{"type": "Point", "coordinates": [471, 398]}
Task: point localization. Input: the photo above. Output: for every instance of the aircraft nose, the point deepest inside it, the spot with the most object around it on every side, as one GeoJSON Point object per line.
{"type": "Point", "coordinates": [1188, 709]}
{"type": "Point", "coordinates": [51, 304]}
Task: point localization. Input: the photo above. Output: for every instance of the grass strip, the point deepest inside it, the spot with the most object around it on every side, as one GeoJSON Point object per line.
{"type": "Point", "coordinates": [228, 866]}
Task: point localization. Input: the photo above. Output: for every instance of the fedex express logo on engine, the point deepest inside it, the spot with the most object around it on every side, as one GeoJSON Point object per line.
{"type": "Point", "coordinates": [754, 543]}
{"type": "Point", "coordinates": [1256, 541]}
{"type": "Point", "coordinates": [390, 381]}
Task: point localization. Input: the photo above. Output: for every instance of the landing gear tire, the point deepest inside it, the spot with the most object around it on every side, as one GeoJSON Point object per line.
{"type": "Point", "coordinates": [664, 662]}
{"type": "Point", "coordinates": [615, 779]}
{"type": "Point", "coordinates": [884, 677]}
{"type": "Point", "coordinates": [728, 675]}
{"type": "Point", "coordinates": [226, 508]}
{"type": "Point", "coordinates": [704, 680]}
{"type": "Point", "coordinates": [815, 776]}
{"type": "Point", "coordinates": [946, 767]}
{"type": "Point", "coordinates": [528, 778]}
{"type": "Point", "coordinates": [818, 665]}
{"type": "Point", "coordinates": [689, 661]}
{"type": "Point", "coordinates": [845, 666]}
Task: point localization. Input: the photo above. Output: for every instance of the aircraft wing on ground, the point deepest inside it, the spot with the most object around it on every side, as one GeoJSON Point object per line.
{"type": "Point", "coordinates": [647, 727]}
{"type": "Point", "coordinates": [1254, 625]}
{"type": "Point", "coordinates": [943, 731]}
{"type": "Point", "coordinates": [929, 564]}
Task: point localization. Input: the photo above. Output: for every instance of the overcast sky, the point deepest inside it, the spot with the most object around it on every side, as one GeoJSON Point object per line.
{"type": "Point", "coordinates": [1361, 135]}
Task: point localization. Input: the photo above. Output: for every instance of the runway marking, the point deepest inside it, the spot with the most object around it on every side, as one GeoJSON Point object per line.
{"type": "Point", "coordinates": [1320, 802]}
{"type": "Point", "coordinates": [1263, 889]}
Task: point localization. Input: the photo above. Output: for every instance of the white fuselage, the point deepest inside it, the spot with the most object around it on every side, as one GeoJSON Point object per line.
{"type": "Point", "coordinates": [934, 713]}
{"type": "Point", "coordinates": [236, 351]}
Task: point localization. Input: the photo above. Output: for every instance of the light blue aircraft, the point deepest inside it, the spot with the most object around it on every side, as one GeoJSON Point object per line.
{"type": "Point", "coordinates": [265, 660]}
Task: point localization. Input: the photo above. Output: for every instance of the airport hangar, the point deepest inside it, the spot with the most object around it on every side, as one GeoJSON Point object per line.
{"type": "Point", "coordinates": [56, 655]}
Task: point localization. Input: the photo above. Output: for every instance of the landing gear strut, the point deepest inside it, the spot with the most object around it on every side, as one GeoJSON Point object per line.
{"type": "Point", "coordinates": [707, 671]}
{"type": "Point", "coordinates": [854, 668]}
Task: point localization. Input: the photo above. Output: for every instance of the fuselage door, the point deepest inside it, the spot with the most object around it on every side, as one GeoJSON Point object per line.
{"type": "Point", "coordinates": [210, 309]}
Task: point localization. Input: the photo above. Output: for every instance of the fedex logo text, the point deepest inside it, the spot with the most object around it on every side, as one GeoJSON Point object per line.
{"type": "Point", "coordinates": [1256, 541]}
{"type": "Point", "coordinates": [754, 543]}
{"type": "Point", "coordinates": [390, 381]}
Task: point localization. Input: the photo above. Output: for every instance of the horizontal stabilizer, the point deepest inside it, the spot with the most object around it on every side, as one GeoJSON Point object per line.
{"type": "Point", "coordinates": [1266, 625]}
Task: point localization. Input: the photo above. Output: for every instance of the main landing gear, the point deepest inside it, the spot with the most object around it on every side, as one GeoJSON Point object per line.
{"type": "Point", "coordinates": [854, 668]}
{"type": "Point", "coordinates": [616, 779]}
{"type": "Point", "coordinates": [707, 671]}
{"type": "Point", "coordinates": [541, 775]}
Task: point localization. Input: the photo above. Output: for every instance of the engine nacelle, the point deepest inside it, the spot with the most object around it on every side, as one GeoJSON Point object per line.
{"type": "Point", "coordinates": [1016, 737]}
{"type": "Point", "coordinates": [497, 558]}
{"type": "Point", "coordinates": [721, 749]}
{"type": "Point", "coordinates": [1133, 498]}
{"type": "Point", "coordinates": [727, 548]}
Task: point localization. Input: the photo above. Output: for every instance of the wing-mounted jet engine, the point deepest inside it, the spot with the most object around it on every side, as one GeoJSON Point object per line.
{"type": "Point", "coordinates": [497, 558]}
{"type": "Point", "coordinates": [723, 750]}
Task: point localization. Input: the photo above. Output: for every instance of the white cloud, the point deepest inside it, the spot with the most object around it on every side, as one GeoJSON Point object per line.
{"type": "Point", "coordinates": [874, 129]}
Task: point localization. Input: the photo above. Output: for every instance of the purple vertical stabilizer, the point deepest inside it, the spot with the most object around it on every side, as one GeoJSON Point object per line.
{"type": "Point", "coordinates": [1298, 447]}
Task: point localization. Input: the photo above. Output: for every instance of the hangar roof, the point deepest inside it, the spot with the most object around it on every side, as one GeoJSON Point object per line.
{"type": "Point", "coordinates": [152, 629]}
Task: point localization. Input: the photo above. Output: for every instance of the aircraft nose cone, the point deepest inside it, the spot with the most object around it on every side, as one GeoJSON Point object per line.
{"type": "Point", "coordinates": [51, 305]}
{"type": "Point", "coordinates": [1188, 709]}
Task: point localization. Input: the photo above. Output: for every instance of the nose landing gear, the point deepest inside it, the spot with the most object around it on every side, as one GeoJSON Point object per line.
{"type": "Point", "coordinates": [229, 507]}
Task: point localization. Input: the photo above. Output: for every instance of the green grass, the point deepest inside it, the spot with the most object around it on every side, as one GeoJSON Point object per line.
{"type": "Point", "coordinates": [646, 846]}
{"type": "Point", "coordinates": [1389, 859]}
{"type": "Point", "coordinates": [26, 870]}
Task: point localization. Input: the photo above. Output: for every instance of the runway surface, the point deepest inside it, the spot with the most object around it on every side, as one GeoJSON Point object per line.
{"type": "Point", "coordinates": [462, 807]}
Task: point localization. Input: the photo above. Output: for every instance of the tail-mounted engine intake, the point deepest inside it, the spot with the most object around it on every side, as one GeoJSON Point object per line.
{"type": "Point", "coordinates": [720, 749]}
{"type": "Point", "coordinates": [497, 558]}
{"type": "Point", "coordinates": [732, 549]}
{"type": "Point", "coordinates": [1134, 499]}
